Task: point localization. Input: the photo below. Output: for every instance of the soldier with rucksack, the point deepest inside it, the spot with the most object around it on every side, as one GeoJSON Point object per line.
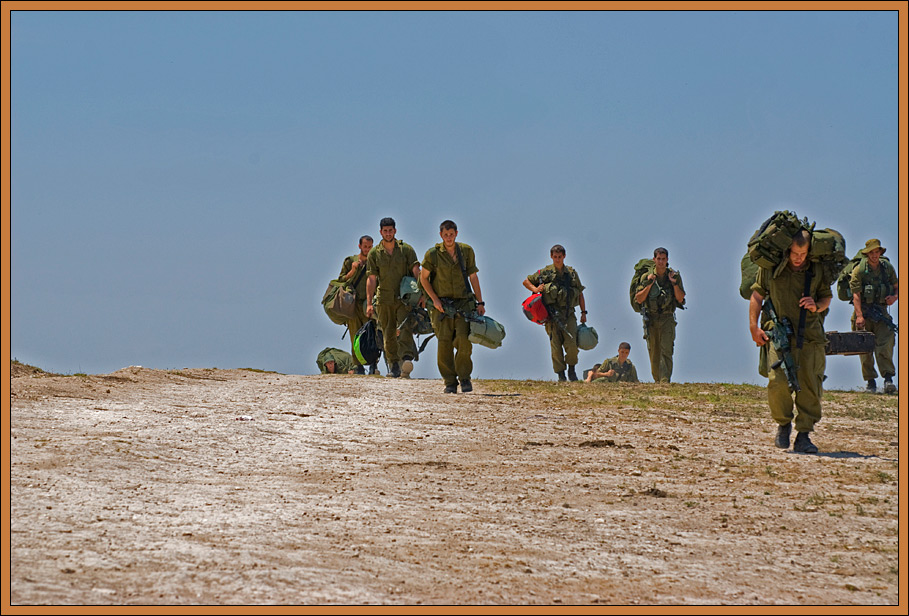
{"type": "Point", "coordinates": [657, 292]}
{"type": "Point", "coordinates": [353, 273]}
{"type": "Point", "coordinates": [874, 288]}
{"type": "Point", "coordinates": [561, 291]}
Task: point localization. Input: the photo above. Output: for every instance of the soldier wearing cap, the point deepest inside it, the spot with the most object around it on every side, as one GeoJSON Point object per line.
{"type": "Point", "coordinates": [874, 289]}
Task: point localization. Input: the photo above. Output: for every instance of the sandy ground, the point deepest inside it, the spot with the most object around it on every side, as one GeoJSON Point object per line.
{"type": "Point", "coordinates": [241, 487]}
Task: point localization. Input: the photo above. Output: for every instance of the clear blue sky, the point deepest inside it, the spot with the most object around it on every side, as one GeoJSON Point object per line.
{"type": "Point", "coordinates": [184, 184]}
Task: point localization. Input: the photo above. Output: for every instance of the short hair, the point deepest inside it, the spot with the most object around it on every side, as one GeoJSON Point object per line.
{"type": "Point", "coordinates": [624, 345]}
{"type": "Point", "coordinates": [557, 248]}
{"type": "Point", "coordinates": [366, 237]}
{"type": "Point", "coordinates": [388, 221]}
{"type": "Point", "coordinates": [802, 238]}
{"type": "Point", "coordinates": [448, 224]}
{"type": "Point", "coordinates": [660, 251]}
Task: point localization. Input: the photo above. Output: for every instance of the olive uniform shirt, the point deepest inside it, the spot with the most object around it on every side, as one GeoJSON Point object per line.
{"type": "Point", "coordinates": [446, 276]}
{"type": "Point", "coordinates": [390, 269]}
{"type": "Point", "coordinates": [623, 371]}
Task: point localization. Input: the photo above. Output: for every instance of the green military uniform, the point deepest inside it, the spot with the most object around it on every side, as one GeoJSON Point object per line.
{"type": "Point", "coordinates": [447, 279]}
{"type": "Point", "coordinates": [359, 319]}
{"type": "Point", "coordinates": [389, 269]}
{"type": "Point", "coordinates": [660, 307]}
{"type": "Point", "coordinates": [562, 292]}
{"type": "Point", "coordinates": [623, 371]}
{"type": "Point", "coordinates": [344, 363]}
{"type": "Point", "coordinates": [785, 291]}
{"type": "Point", "coordinates": [873, 287]}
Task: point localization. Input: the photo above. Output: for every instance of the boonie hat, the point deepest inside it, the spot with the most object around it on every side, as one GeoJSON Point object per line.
{"type": "Point", "coordinates": [873, 244]}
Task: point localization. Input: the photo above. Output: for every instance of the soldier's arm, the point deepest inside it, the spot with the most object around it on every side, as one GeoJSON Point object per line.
{"type": "Point", "coordinates": [427, 286]}
{"type": "Point", "coordinates": [641, 295]}
{"type": "Point", "coordinates": [532, 287]}
{"type": "Point", "coordinates": [754, 312]}
{"type": "Point", "coordinates": [583, 307]}
{"type": "Point", "coordinates": [677, 288]}
{"type": "Point", "coordinates": [475, 283]}
{"type": "Point", "coordinates": [370, 294]}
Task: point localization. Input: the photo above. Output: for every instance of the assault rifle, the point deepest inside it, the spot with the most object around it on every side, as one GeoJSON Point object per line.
{"type": "Point", "coordinates": [450, 311]}
{"type": "Point", "coordinates": [876, 312]}
{"type": "Point", "coordinates": [646, 318]}
{"type": "Point", "coordinates": [779, 332]}
{"type": "Point", "coordinates": [556, 317]}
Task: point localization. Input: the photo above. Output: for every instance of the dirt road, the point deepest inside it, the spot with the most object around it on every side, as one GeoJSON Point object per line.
{"type": "Point", "coordinates": [242, 487]}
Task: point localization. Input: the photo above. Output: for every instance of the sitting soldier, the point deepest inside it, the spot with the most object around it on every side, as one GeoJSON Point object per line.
{"type": "Point", "coordinates": [618, 368]}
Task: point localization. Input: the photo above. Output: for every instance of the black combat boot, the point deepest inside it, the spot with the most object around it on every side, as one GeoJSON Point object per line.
{"type": "Point", "coordinates": [572, 375]}
{"type": "Point", "coordinates": [872, 387]}
{"type": "Point", "coordinates": [395, 370]}
{"type": "Point", "coordinates": [803, 444]}
{"type": "Point", "coordinates": [782, 436]}
{"type": "Point", "coordinates": [889, 387]}
{"type": "Point", "coordinates": [561, 374]}
{"type": "Point", "coordinates": [373, 369]}
{"type": "Point", "coordinates": [466, 386]}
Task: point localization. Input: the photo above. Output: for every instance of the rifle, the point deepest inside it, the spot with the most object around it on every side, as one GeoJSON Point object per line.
{"type": "Point", "coordinates": [779, 332]}
{"type": "Point", "coordinates": [876, 312]}
{"type": "Point", "coordinates": [450, 311]}
{"type": "Point", "coordinates": [646, 318]}
{"type": "Point", "coordinates": [556, 317]}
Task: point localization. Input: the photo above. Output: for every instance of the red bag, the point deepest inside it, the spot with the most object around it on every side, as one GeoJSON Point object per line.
{"type": "Point", "coordinates": [535, 309]}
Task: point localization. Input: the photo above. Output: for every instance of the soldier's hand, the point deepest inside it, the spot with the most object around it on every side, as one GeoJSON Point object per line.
{"type": "Point", "coordinates": [891, 299]}
{"type": "Point", "coordinates": [859, 323]}
{"type": "Point", "coordinates": [651, 276]}
{"type": "Point", "coordinates": [759, 336]}
{"type": "Point", "coordinates": [583, 317]}
{"type": "Point", "coordinates": [370, 310]}
{"type": "Point", "coordinates": [481, 310]}
{"type": "Point", "coordinates": [808, 304]}
{"type": "Point", "coordinates": [672, 276]}
{"type": "Point", "coordinates": [437, 304]}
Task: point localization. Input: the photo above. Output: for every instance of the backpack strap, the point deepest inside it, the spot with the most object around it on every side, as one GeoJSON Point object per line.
{"type": "Point", "coordinates": [800, 335]}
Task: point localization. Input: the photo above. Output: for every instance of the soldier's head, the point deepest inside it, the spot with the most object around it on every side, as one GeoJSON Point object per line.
{"type": "Point", "coordinates": [387, 229]}
{"type": "Point", "coordinates": [557, 253]}
{"type": "Point", "coordinates": [661, 258]}
{"type": "Point", "coordinates": [624, 350]}
{"type": "Point", "coordinates": [798, 249]}
{"type": "Point", "coordinates": [873, 251]}
{"type": "Point", "coordinates": [448, 231]}
{"type": "Point", "coordinates": [366, 243]}
{"type": "Point", "coordinates": [330, 366]}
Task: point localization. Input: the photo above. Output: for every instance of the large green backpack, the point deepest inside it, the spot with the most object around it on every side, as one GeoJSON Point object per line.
{"type": "Point", "coordinates": [339, 302]}
{"type": "Point", "coordinates": [843, 291]}
{"type": "Point", "coordinates": [828, 248]}
{"type": "Point", "coordinates": [749, 275]}
{"type": "Point", "coordinates": [768, 245]}
{"type": "Point", "coordinates": [644, 266]}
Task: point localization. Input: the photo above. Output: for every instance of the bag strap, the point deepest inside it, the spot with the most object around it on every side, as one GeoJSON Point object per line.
{"type": "Point", "coordinates": [800, 336]}
{"type": "Point", "coordinates": [463, 269]}
{"type": "Point", "coordinates": [359, 276]}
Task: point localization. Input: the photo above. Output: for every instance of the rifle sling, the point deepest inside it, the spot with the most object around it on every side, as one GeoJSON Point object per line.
{"type": "Point", "coordinates": [800, 335]}
{"type": "Point", "coordinates": [467, 286]}
{"type": "Point", "coordinates": [359, 277]}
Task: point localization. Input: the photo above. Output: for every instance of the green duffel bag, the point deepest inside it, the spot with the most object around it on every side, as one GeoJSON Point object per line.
{"type": "Point", "coordinates": [487, 332]}
{"type": "Point", "coordinates": [587, 337]}
{"type": "Point", "coordinates": [410, 291]}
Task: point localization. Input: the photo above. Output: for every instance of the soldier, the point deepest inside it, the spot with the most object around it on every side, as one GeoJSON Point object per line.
{"type": "Point", "coordinates": [353, 272]}
{"type": "Point", "coordinates": [562, 290]}
{"type": "Point", "coordinates": [874, 288]}
{"type": "Point", "coordinates": [660, 292]}
{"type": "Point", "coordinates": [801, 288]}
{"type": "Point", "coordinates": [618, 368]}
{"type": "Point", "coordinates": [449, 277]}
{"type": "Point", "coordinates": [386, 265]}
{"type": "Point", "coordinates": [335, 361]}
